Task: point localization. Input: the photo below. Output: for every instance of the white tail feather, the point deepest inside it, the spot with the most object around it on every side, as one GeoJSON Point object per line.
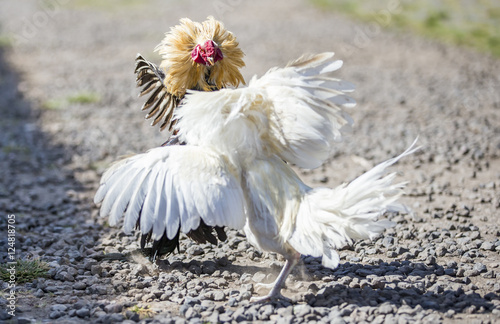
{"type": "Point", "coordinates": [331, 218]}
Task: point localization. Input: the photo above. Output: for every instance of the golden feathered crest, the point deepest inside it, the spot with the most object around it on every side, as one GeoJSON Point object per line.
{"type": "Point", "coordinates": [183, 73]}
{"type": "Point", "coordinates": [180, 71]}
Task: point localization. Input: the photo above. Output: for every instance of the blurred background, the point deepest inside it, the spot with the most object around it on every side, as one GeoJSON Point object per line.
{"type": "Point", "coordinates": [426, 61]}
{"type": "Point", "coordinates": [427, 69]}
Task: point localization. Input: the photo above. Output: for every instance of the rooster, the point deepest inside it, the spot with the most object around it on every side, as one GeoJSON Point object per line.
{"type": "Point", "coordinates": [235, 170]}
{"type": "Point", "coordinates": [196, 56]}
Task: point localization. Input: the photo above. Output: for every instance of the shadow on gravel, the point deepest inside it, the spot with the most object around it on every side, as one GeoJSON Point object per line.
{"type": "Point", "coordinates": [397, 284]}
{"type": "Point", "coordinates": [36, 184]}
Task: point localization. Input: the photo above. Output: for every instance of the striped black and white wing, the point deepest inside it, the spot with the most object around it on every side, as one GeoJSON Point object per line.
{"type": "Point", "coordinates": [171, 189]}
{"type": "Point", "coordinates": [161, 103]}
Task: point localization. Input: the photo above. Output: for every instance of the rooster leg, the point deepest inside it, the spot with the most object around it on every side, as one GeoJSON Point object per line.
{"type": "Point", "coordinates": [275, 292]}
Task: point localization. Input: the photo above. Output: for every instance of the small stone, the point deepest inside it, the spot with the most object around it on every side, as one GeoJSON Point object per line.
{"type": "Point", "coordinates": [148, 297]}
{"type": "Point", "coordinates": [80, 285]}
{"type": "Point", "coordinates": [388, 241]}
{"type": "Point", "coordinates": [219, 296]}
{"type": "Point", "coordinates": [224, 318]}
{"type": "Point", "coordinates": [24, 320]}
{"type": "Point", "coordinates": [364, 272]}
{"type": "Point", "coordinates": [59, 307]}
{"type": "Point", "coordinates": [52, 289]}
{"type": "Point", "coordinates": [213, 318]}
{"type": "Point", "coordinates": [386, 308]}
{"type": "Point", "coordinates": [68, 277]}
{"type": "Point", "coordinates": [391, 254]}
{"type": "Point", "coordinates": [479, 267]}
{"type": "Point", "coordinates": [441, 251]}
{"type": "Point", "coordinates": [114, 318]}
{"type": "Point", "coordinates": [208, 267]}
{"type": "Point", "coordinates": [487, 246]}
{"type": "Point", "coordinates": [207, 305]}
{"type": "Point", "coordinates": [241, 315]}
{"type": "Point", "coordinates": [183, 309]}
{"type": "Point", "coordinates": [96, 269]}
{"type": "Point", "coordinates": [83, 312]}
{"type": "Point", "coordinates": [430, 260]}
{"type": "Point", "coordinates": [98, 289]}
{"type": "Point", "coordinates": [265, 312]}
{"type": "Point", "coordinates": [355, 259]}
{"type": "Point", "coordinates": [246, 295]}
{"type": "Point", "coordinates": [430, 304]}
{"type": "Point", "coordinates": [378, 283]}
{"type": "Point", "coordinates": [232, 302]}
{"type": "Point", "coordinates": [55, 314]}
{"type": "Point", "coordinates": [301, 310]}
{"type": "Point", "coordinates": [113, 308]}
{"type": "Point", "coordinates": [139, 270]}
{"type": "Point", "coordinates": [75, 254]}
{"type": "Point", "coordinates": [259, 277]}
{"type": "Point", "coordinates": [191, 313]}
{"type": "Point", "coordinates": [39, 293]}
{"type": "Point", "coordinates": [195, 250]}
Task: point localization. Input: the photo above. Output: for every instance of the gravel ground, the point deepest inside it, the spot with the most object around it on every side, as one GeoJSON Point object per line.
{"type": "Point", "coordinates": [440, 263]}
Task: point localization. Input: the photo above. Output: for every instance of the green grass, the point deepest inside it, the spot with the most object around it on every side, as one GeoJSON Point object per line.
{"type": "Point", "coordinates": [143, 312]}
{"type": "Point", "coordinates": [26, 270]}
{"type": "Point", "coordinates": [7, 149]}
{"type": "Point", "coordinates": [475, 24]}
{"type": "Point", "coordinates": [5, 41]}
{"type": "Point", "coordinates": [83, 98]}
{"type": "Point", "coordinates": [53, 104]}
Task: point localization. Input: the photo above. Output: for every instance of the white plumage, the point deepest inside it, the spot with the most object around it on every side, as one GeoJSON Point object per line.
{"type": "Point", "coordinates": [231, 172]}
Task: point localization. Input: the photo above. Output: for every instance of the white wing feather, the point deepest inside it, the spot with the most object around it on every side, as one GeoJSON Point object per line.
{"type": "Point", "coordinates": [170, 187]}
{"type": "Point", "coordinates": [297, 112]}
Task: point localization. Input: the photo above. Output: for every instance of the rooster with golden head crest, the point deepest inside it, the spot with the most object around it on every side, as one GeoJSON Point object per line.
{"type": "Point", "coordinates": [196, 56]}
{"type": "Point", "coordinates": [234, 169]}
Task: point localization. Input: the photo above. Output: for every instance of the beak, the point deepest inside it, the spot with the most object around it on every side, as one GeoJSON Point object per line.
{"type": "Point", "coordinates": [210, 61]}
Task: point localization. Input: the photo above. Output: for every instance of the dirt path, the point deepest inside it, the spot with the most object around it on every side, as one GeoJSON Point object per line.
{"type": "Point", "coordinates": [69, 108]}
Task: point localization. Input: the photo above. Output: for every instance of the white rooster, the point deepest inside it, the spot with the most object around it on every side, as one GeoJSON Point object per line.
{"type": "Point", "coordinates": [232, 170]}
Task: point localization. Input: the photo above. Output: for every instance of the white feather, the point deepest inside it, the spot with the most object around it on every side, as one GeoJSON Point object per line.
{"type": "Point", "coordinates": [332, 218]}
{"type": "Point", "coordinates": [172, 215]}
{"type": "Point", "coordinates": [171, 187]}
{"type": "Point", "coordinates": [136, 201]}
{"type": "Point", "coordinates": [160, 211]}
{"type": "Point", "coordinates": [299, 109]}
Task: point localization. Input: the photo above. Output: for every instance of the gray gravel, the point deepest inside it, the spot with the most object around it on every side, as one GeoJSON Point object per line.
{"type": "Point", "coordinates": [440, 263]}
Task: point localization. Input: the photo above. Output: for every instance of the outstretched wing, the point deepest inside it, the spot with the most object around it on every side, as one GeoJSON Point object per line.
{"type": "Point", "coordinates": [171, 188]}
{"type": "Point", "coordinates": [296, 112]}
{"type": "Point", "coordinates": [308, 108]}
{"type": "Point", "coordinates": [161, 103]}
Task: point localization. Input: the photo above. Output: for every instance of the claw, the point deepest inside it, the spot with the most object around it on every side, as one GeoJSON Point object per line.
{"type": "Point", "coordinates": [275, 293]}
